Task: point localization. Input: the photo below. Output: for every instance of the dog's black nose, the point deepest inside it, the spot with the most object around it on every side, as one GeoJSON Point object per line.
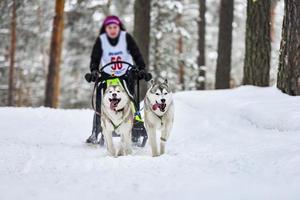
{"type": "Point", "coordinates": [163, 100]}
{"type": "Point", "coordinates": [114, 95]}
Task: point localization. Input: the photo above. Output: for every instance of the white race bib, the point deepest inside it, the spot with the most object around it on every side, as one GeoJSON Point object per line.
{"type": "Point", "coordinates": [115, 53]}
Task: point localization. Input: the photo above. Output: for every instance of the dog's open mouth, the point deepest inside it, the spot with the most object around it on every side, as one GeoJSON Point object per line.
{"type": "Point", "coordinates": [114, 103]}
{"type": "Point", "coordinates": [161, 106]}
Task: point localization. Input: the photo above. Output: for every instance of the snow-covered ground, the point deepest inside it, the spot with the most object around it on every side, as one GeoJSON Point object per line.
{"type": "Point", "coordinates": [231, 144]}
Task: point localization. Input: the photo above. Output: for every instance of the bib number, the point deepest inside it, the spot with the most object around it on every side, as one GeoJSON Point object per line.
{"type": "Point", "coordinates": [116, 66]}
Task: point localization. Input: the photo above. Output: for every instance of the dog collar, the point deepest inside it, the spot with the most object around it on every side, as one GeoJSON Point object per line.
{"type": "Point", "coordinates": [120, 110]}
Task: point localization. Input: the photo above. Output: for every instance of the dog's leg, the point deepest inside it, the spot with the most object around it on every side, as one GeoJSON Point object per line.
{"type": "Point", "coordinates": [162, 147]}
{"type": "Point", "coordinates": [163, 140]}
{"type": "Point", "coordinates": [121, 146]}
{"type": "Point", "coordinates": [126, 140]}
{"type": "Point", "coordinates": [150, 121]}
{"type": "Point", "coordinates": [165, 133]}
{"type": "Point", "coordinates": [128, 148]}
{"type": "Point", "coordinates": [152, 140]}
{"type": "Point", "coordinates": [109, 142]}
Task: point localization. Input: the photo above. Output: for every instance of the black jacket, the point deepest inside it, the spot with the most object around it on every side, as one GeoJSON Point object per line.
{"type": "Point", "coordinates": [131, 47]}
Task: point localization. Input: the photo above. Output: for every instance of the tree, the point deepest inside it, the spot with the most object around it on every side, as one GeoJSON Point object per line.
{"type": "Point", "coordinates": [52, 85]}
{"type": "Point", "coordinates": [288, 77]}
{"type": "Point", "coordinates": [141, 32]}
{"type": "Point", "coordinates": [201, 46]}
{"type": "Point", "coordinates": [11, 84]}
{"type": "Point", "coordinates": [181, 67]}
{"type": "Point", "coordinates": [224, 45]}
{"type": "Point", "coordinates": [164, 41]}
{"type": "Point", "coordinates": [171, 55]}
{"type": "Point", "coordinates": [258, 46]}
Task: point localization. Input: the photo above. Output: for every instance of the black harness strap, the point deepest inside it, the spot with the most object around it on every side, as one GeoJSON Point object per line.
{"type": "Point", "coordinates": [93, 94]}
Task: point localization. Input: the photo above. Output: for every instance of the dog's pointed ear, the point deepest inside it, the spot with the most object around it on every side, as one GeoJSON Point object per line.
{"type": "Point", "coordinates": [152, 82]}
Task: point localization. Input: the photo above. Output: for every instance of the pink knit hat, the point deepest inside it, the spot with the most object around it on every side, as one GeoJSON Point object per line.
{"type": "Point", "coordinates": [112, 20]}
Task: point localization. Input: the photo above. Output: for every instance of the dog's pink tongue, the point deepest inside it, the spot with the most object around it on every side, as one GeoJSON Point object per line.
{"type": "Point", "coordinates": [112, 105]}
{"type": "Point", "coordinates": [155, 106]}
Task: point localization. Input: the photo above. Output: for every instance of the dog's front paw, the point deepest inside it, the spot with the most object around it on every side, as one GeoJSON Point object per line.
{"type": "Point", "coordinates": [113, 153]}
{"type": "Point", "coordinates": [128, 151]}
{"type": "Point", "coordinates": [155, 155]}
{"type": "Point", "coordinates": [162, 148]}
{"type": "Point", "coordinates": [124, 152]}
{"type": "Point", "coordinates": [121, 152]}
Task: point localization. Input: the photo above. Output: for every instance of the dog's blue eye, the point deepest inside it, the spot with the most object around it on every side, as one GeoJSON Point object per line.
{"type": "Point", "coordinates": [110, 91]}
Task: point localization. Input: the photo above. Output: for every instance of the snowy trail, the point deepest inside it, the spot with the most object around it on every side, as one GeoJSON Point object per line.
{"type": "Point", "coordinates": [232, 144]}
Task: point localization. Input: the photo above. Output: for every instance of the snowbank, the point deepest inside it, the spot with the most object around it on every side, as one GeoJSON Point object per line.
{"type": "Point", "coordinates": [228, 144]}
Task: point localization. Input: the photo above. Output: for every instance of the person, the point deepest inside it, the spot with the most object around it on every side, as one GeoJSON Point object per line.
{"type": "Point", "coordinates": [114, 44]}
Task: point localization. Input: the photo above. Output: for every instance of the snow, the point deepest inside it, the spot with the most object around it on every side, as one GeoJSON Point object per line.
{"type": "Point", "coordinates": [201, 79]}
{"type": "Point", "coordinates": [227, 144]}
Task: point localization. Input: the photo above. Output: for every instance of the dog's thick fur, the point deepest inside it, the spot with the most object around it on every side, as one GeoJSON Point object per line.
{"type": "Point", "coordinates": [117, 115]}
{"type": "Point", "coordinates": [159, 114]}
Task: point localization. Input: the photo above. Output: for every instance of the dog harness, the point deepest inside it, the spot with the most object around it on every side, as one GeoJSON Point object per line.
{"type": "Point", "coordinates": [117, 82]}
{"type": "Point", "coordinates": [154, 107]}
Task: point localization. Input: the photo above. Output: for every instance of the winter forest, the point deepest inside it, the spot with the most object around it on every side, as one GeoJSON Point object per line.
{"type": "Point", "coordinates": [207, 108]}
{"type": "Point", "coordinates": [196, 44]}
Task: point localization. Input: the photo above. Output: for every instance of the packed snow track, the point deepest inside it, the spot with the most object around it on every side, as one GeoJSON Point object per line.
{"type": "Point", "coordinates": [229, 144]}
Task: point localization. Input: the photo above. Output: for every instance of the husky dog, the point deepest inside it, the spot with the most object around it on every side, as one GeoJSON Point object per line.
{"type": "Point", "coordinates": [159, 114]}
{"type": "Point", "coordinates": [117, 115]}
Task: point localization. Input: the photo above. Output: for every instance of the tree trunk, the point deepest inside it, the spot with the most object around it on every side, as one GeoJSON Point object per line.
{"type": "Point", "coordinates": [181, 71]}
{"type": "Point", "coordinates": [200, 84]}
{"type": "Point", "coordinates": [157, 27]}
{"type": "Point", "coordinates": [224, 45]}
{"type": "Point", "coordinates": [258, 46]}
{"type": "Point", "coordinates": [11, 84]}
{"type": "Point", "coordinates": [141, 33]}
{"type": "Point", "coordinates": [53, 82]}
{"type": "Point", "coordinates": [181, 62]}
{"type": "Point", "coordinates": [288, 78]}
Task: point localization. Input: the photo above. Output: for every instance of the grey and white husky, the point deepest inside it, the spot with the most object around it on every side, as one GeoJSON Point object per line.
{"type": "Point", "coordinates": [117, 115]}
{"type": "Point", "coordinates": [159, 114]}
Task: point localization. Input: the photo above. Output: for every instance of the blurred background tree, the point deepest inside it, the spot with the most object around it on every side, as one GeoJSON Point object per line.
{"type": "Point", "coordinates": [258, 43]}
{"type": "Point", "coordinates": [53, 76]}
{"type": "Point", "coordinates": [224, 45]}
